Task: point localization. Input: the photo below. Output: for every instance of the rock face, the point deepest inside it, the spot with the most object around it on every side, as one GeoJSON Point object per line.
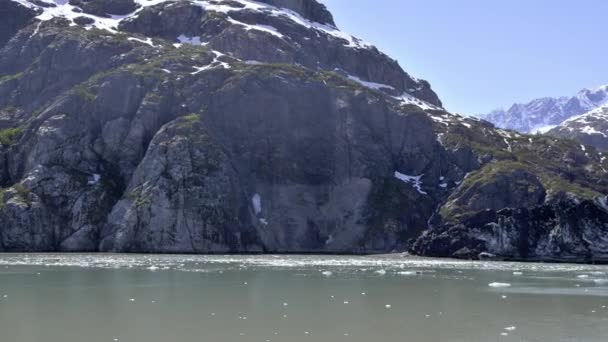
{"type": "Point", "coordinates": [310, 10]}
{"type": "Point", "coordinates": [238, 126]}
{"type": "Point", "coordinates": [589, 129]}
{"type": "Point", "coordinates": [542, 114]}
{"type": "Point", "coordinates": [14, 17]}
{"type": "Point", "coordinates": [563, 229]}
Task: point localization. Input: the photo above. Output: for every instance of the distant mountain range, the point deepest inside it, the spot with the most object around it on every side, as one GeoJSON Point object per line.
{"type": "Point", "coordinates": [543, 114]}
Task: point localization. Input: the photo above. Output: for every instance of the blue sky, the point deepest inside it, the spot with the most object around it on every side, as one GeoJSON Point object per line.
{"type": "Point", "coordinates": [485, 54]}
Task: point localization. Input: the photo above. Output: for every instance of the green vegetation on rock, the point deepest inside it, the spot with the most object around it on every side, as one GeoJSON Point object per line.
{"type": "Point", "coordinates": [10, 136]}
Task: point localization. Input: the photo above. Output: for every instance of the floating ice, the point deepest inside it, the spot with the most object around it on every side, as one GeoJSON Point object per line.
{"type": "Point", "coordinates": [499, 285]}
{"type": "Point", "coordinates": [583, 276]}
{"type": "Point", "coordinates": [327, 273]}
{"type": "Point", "coordinates": [381, 272]}
{"type": "Point", "coordinates": [518, 273]}
{"type": "Point", "coordinates": [388, 306]}
{"type": "Point", "coordinates": [511, 328]}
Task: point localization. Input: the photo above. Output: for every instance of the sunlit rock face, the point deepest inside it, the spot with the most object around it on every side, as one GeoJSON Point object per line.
{"type": "Point", "coordinates": [242, 126]}
{"type": "Point", "coordinates": [590, 128]}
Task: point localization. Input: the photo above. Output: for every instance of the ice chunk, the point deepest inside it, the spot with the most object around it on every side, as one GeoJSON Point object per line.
{"type": "Point", "coordinates": [499, 285]}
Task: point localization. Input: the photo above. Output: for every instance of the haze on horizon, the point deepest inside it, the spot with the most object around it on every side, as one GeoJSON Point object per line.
{"type": "Point", "coordinates": [482, 55]}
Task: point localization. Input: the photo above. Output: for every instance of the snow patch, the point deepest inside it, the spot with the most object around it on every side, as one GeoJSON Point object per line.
{"type": "Point", "coordinates": [370, 85]}
{"type": "Point", "coordinates": [415, 181]}
{"type": "Point", "coordinates": [94, 179]}
{"type": "Point", "coordinates": [407, 99]}
{"type": "Point", "coordinates": [256, 201]}
{"type": "Point", "coordinates": [215, 63]}
{"type": "Point", "coordinates": [263, 28]}
{"type": "Point", "coordinates": [183, 39]}
{"type": "Point", "coordinates": [147, 41]}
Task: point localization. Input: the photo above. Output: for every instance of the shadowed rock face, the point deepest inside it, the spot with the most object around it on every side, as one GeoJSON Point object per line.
{"type": "Point", "coordinates": [106, 7]}
{"type": "Point", "coordinates": [14, 18]}
{"type": "Point", "coordinates": [293, 139]}
{"type": "Point", "coordinates": [563, 229]}
{"type": "Point", "coordinates": [311, 10]}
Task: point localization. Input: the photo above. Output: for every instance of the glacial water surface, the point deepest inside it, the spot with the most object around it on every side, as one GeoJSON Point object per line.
{"type": "Point", "coordinates": [154, 298]}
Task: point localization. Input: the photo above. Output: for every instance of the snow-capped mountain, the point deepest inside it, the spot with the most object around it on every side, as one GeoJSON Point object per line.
{"type": "Point", "coordinates": [304, 30]}
{"type": "Point", "coordinates": [590, 128]}
{"type": "Point", "coordinates": [542, 114]}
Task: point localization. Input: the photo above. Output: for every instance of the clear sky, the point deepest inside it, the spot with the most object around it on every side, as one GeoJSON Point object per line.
{"type": "Point", "coordinates": [481, 55]}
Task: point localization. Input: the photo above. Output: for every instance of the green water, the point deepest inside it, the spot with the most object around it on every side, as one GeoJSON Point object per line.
{"type": "Point", "coordinates": [98, 298]}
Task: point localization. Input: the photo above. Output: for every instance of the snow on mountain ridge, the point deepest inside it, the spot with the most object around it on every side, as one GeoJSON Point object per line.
{"type": "Point", "coordinates": [63, 8]}
{"type": "Point", "coordinates": [542, 113]}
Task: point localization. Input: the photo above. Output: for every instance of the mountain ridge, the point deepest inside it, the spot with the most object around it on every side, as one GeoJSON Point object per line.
{"type": "Point", "coordinates": [542, 114]}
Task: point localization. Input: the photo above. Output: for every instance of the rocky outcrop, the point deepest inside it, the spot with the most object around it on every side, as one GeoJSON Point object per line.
{"type": "Point", "coordinates": [589, 129]}
{"type": "Point", "coordinates": [238, 127]}
{"type": "Point", "coordinates": [311, 10]}
{"type": "Point", "coordinates": [251, 34]}
{"type": "Point", "coordinates": [105, 8]}
{"type": "Point", "coordinates": [15, 16]}
{"type": "Point", "coordinates": [563, 229]}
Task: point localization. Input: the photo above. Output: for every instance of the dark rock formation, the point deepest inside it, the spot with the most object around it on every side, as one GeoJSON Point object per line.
{"type": "Point", "coordinates": [15, 16]}
{"type": "Point", "coordinates": [105, 8]}
{"type": "Point", "coordinates": [311, 10]}
{"type": "Point", "coordinates": [563, 229]}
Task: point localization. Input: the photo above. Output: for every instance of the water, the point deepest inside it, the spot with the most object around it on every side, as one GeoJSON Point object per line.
{"type": "Point", "coordinates": [106, 298]}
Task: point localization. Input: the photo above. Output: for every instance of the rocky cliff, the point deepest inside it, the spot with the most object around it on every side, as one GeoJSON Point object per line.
{"type": "Point", "coordinates": [240, 126]}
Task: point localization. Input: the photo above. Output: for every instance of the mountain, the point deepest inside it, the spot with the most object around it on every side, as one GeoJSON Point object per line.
{"type": "Point", "coordinates": [542, 114]}
{"type": "Point", "coordinates": [590, 128]}
{"type": "Point", "coordinates": [237, 126]}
